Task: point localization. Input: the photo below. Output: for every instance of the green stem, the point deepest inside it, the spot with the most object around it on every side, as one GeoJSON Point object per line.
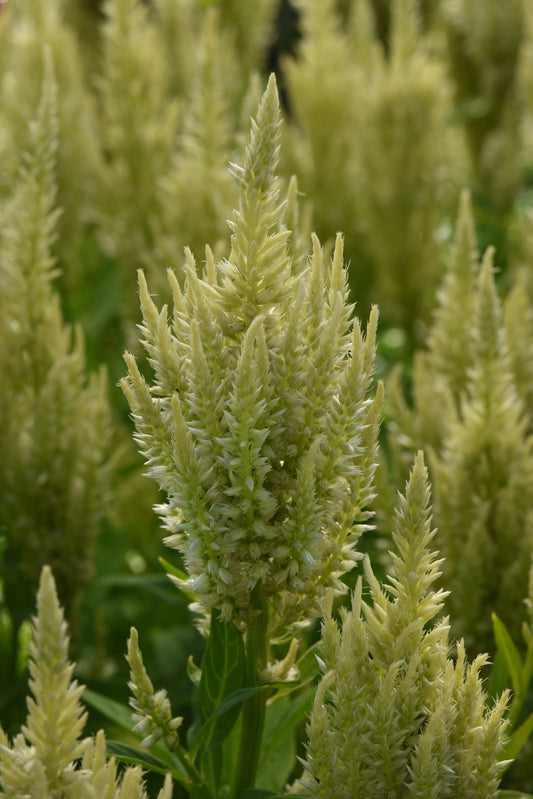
{"type": "Point", "coordinates": [194, 775]}
{"type": "Point", "coordinates": [253, 718]}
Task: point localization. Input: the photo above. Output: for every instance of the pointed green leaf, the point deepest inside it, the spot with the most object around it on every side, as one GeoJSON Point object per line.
{"type": "Point", "coordinates": [158, 585]}
{"type": "Point", "coordinates": [173, 571]}
{"type": "Point", "coordinates": [120, 714]}
{"type": "Point", "coordinates": [148, 761]}
{"type": "Point", "coordinates": [259, 793]}
{"type": "Point", "coordinates": [513, 795]}
{"type": "Point", "coordinates": [223, 673]}
{"type": "Point", "coordinates": [499, 677]}
{"type": "Point", "coordinates": [223, 665]}
{"type": "Point", "coordinates": [513, 661]}
{"type": "Point", "coordinates": [308, 667]}
{"type": "Point", "coordinates": [230, 703]}
{"type": "Point", "coordinates": [527, 670]}
{"type": "Point", "coordinates": [231, 748]}
{"type": "Point", "coordinates": [194, 672]}
{"type": "Point", "coordinates": [278, 752]}
{"type": "Point", "coordinates": [289, 715]}
{"type": "Point", "coordinates": [132, 754]}
{"type": "Point", "coordinates": [517, 739]}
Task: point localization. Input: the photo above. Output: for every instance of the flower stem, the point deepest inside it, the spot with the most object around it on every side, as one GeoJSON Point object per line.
{"type": "Point", "coordinates": [253, 718]}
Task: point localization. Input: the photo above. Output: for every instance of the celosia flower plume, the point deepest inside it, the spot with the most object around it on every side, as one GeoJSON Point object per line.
{"type": "Point", "coordinates": [257, 425]}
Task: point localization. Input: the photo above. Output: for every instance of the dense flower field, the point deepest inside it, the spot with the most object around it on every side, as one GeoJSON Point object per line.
{"type": "Point", "coordinates": [266, 398]}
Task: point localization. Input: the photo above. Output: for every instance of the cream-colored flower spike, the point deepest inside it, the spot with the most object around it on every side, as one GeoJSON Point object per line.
{"type": "Point", "coordinates": [48, 759]}
{"type": "Point", "coordinates": [258, 426]}
{"type": "Point", "coordinates": [55, 423]}
{"type": "Point", "coordinates": [153, 714]}
{"type": "Point", "coordinates": [475, 370]}
{"type": "Point", "coordinates": [394, 715]}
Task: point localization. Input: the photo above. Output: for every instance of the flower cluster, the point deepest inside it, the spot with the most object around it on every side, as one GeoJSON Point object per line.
{"type": "Point", "coordinates": [394, 715]}
{"type": "Point", "coordinates": [153, 715]}
{"type": "Point", "coordinates": [48, 758]}
{"type": "Point", "coordinates": [477, 370]}
{"type": "Point", "coordinates": [258, 424]}
{"type": "Point", "coordinates": [54, 421]}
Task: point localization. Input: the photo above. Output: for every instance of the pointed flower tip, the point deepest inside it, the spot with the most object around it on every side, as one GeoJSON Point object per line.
{"type": "Point", "coordinates": [465, 202]}
{"type": "Point", "coordinates": [419, 465]}
{"type": "Point", "coordinates": [268, 110]}
{"type": "Point", "coordinates": [418, 487]}
{"type": "Point", "coordinates": [487, 266]}
{"type": "Point", "coordinates": [417, 476]}
{"type": "Point", "coordinates": [47, 583]}
{"type": "Point", "coordinates": [262, 152]}
{"type": "Point", "coordinates": [272, 89]}
{"type": "Point", "coordinates": [46, 574]}
{"type": "Point", "coordinates": [465, 226]}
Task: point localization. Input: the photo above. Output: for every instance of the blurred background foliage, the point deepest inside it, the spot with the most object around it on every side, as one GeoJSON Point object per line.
{"type": "Point", "coordinates": [392, 108]}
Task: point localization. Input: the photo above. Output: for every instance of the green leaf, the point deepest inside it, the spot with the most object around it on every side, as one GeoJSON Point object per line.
{"type": "Point", "coordinates": [230, 755]}
{"type": "Point", "coordinates": [511, 795]}
{"type": "Point", "coordinates": [173, 571]}
{"type": "Point", "coordinates": [278, 752]}
{"type": "Point", "coordinates": [140, 757]}
{"type": "Point", "coordinates": [194, 672]}
{"type": "Point", "coordinates": [122, 716]}
{"type": "Point", "coordinates": [158, 585]}
{"type": "Point", "coordinates": [260, 793]}
{"type": "Point", "coordinates": [223, 673]}
{"type": "Point", "coordinates": [527, 670]}
{"type": "Point", "coordinates": [289, 715]}
{"type": "Point", "coordinates": [511, 655]}
{"type": "Point", "coordinates": [308, 665]}
{"type": "Point", "coordinates": [114, 711]}
{"type": "Point", "coordinates": [223, 665]}
{"type": "Point", "coordinates": [234, 700]}
{"type": "Point", "coordinates": [499, 677]}
{"type": "Point", "coordinates": [517, 740]}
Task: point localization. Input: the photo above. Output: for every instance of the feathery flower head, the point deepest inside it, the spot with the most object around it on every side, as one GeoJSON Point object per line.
{"type": "Point", "coordinates": [394, 715]}
{"type": "Point", "coordinates": [48, 758]}
{"type": "Point", "coordinates": [257, 425]}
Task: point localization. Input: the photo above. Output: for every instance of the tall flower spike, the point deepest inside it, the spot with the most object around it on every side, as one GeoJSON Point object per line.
{"type": "Point", "coordinates": [152, 709]}
{"type": "Point", "coordinates": [53, 421]}
{"type": "Point", "coordinates": [318, 81]}
{"type": "Point", "coordinates": [475, 371]}
{"type": "Point", "coordinates": [440, 373]}
{"type": "Point", "coordinates": [48, 758]}
{"type": "Point", "coordinates": [450, 338]}
{"type": "Point", "coordinates": [485, 46]}
{"type": "Point", "coordinates": [483, 478]}
{"type": "Point", "coordinates": [56, 717]}
{"type": "Point", "coordinates": [139, 124]}
{"type": "Point", "coordinates": [399, 153]}
{"type": "Point", "coordinates": [199, 190]}
{"type": "Point", "coordinates": [27, 29]}
{"type": "Point", "coordinates": [258, 425]}
{"type": "Point", "coordinates": [394, 715]}
{"type": "Point", "coordinates": [518, 317]}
